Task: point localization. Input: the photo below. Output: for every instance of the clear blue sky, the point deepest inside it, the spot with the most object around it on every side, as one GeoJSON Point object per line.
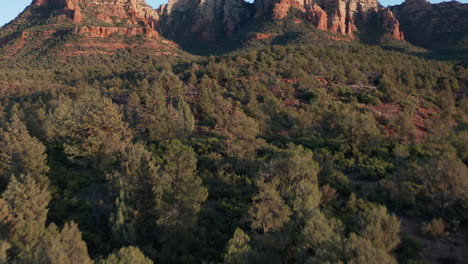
{"type": "Point", "coordinates": [11, 8]}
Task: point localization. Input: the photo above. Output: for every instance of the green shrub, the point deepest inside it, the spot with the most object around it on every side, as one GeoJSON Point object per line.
{"type": "Point", "coordinates": [436, 228]}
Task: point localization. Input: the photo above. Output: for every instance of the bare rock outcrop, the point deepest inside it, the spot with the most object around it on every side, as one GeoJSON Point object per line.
{"type": "Point", "coordinates": [105, 32]}
{"type": "Point", "coordinates": [392, 24]}
{"type": "Point", "coordinates": [338, 16]}
{"type": "Point", "coordinates": [112, 12]}
{"type": "Point", "coordinates": [281, 9]}
{"type": "Point", "coordinates": [204, 19]}
{"type": "Point", "coordinates": [99, 26]}
{"type": "Point", "coordinates": [318, 17]}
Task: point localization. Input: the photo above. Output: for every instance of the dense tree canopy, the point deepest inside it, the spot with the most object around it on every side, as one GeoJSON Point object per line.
{"type": "Point", "coordinates": [269, 154]}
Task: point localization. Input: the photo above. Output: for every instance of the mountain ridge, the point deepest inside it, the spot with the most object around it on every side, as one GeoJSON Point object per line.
{"type": "Point", "coordinates": [110, 23]}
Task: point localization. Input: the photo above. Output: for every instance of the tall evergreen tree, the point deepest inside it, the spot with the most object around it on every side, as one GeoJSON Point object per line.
{"type": "Point", "coordinates": [183, 189]}
{"type": "Point", "coordinates": [21, 154]}
{"type": "Point", "coordinates": [154, 117]}
{"type": "Point", "coordinates": [127, 255]}
{"type": "Point", "coordinates": [183, 195]}
{"type": "Point", "coordinates": [238, 130]}
{"type": "Point", "coordinates": [137, 187]}
{"type": "Point", "coordinates": [238, 250]}
{"type": "Point", "coordinates": [91, 128]}
{"type": "Point", "coordinates": [269, 211]}
{"type": "Point", "coordinates": [26, 204]}
{"type": "Point", "coordinates": [65, 246]}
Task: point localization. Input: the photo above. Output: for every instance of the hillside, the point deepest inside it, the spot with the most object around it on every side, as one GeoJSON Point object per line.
{"type": "Point", "coordinates": [445, 25]}
{"type": "Point", "coordinates": [229, 132]}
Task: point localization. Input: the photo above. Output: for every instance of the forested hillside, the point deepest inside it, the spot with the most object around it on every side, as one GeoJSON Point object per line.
{"type": "Point", "coordinates": [341, 153]}
{"type": "Point", "coordinates": [279, 132]}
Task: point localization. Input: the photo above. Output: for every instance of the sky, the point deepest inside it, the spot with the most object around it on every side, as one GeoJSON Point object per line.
{"type": "Point", "coordinates": [11, 8]}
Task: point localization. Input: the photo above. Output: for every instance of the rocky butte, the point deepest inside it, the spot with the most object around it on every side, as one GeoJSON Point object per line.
{"type": "Point", "coordinates": [213, 19]}
{"type": "Point", "coordinates": [205, 20]}
{"type": "Point", "coordinates": [101, 18]}
{"type": "Point", "coordinates": [334, 15]}
{"type": "Point", "coordinates": [98, 26]}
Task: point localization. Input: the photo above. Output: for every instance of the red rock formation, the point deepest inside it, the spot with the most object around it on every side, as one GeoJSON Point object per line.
{"type": "Point", "coordinates": [260, 36]}
{"type": "Point", "coordinates": [333, 15]}
{"type": "Point", "coordinates": [99, 25]}
{"type": "Point", "coordinates": [105, 32]}
{"type": "Point", "coordinates": [204, 19]}
{"type": "Point", "coordinates": [140, 17]}
{"type": "Point", "coordinates": [318, 17]}
{"type": "Point", "coordinates": [390, 23]}
{"type": "Point", "coordinates": [136, 11]}
{"type": "Point", "coordinates": [282, 8]}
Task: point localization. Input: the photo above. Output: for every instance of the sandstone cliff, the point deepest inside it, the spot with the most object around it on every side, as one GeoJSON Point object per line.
{"type": "Point", "coordinates": [204, 19]}
{"type": "Point", "coordinates": [338, 16]}
{"type": "Point", "coordinates": [107, 13]}
{"type": "Point", "coordinates": [98, 26]}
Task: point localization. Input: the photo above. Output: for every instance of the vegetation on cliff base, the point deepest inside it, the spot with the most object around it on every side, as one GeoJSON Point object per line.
{"type": "Point", "coordinates": [281, 154]}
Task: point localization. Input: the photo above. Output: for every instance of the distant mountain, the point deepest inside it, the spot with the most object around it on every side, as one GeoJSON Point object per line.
{"type": "Point", "coordinates": [440, 27]}
{"type": "Point", "coordinates": [72, 28]}
{"type": "Point", "coordinates": [211, 20]}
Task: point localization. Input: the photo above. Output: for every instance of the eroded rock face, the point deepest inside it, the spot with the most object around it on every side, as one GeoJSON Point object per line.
{"type": "Point", "coordinates": [206, 19]}
{"type": "Point", "coordinates": [105, 32]}
{"type": "Point", "coordinates": [214, 19]}
{"type": "Point", "coordinates": [281, 9]}
{"type": "Point", "coordinates": [332, 15]}
{"type": "Point", "coordinates": [392, 24]}
{"type": "Point", "coordinates": [101, 26]}
{"type": "Point", "coordinates": [318, 17]}
{"type": "Point", "coordinates": [122, 12]}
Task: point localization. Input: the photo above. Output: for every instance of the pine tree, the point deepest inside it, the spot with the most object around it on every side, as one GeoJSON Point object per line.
{"type": "Point", "coordinates": [352, 250]}
{"type": "Point", "coordinates": [443, 179]}
{"type": "Point", "coordinates": [135, 184]}
{"type": "Point", "coordinates": [183, 195]}
{"type": "Point", "coordinates": [4, 246]}
{"type": "Point", "coordinates": [186, 119]}
{"type": "Point", "coordinates": [381, 228]}
{"type": "Point", "coordinates": [183, 189]}
{"type": "Point", "coordinates": [238, 130]}
{"type": "Point", "coordinates": [156, 118]}
{"type": "Point", "coordinates": [268, 212]}
{"type": "Point", "coordinates": [170, 85]}
{"type": "Point", "coordinates": [91, 129]}
{"type": "Point", "coordinates": [65, 246]}
{"type": "Point", "coordinates": [128, 255]}
{"type": "Point", "coordinates": [21, 154]}
{"type": "Point", "coordinates": [291, 167]}
{"type": "Point", "coordinates": [319, 230]}
{"type": "Point", "coordinates": [238, 250]}
{"type": "Point", "coordinates": [26, 205]}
